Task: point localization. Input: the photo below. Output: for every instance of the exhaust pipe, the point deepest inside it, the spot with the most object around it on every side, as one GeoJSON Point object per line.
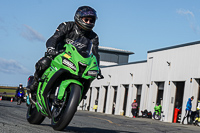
{"type": "Point", "coordinates": [31, 100]}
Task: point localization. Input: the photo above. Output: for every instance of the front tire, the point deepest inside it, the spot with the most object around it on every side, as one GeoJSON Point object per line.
{"type": "Point", "coordinates": [59, 122]}
{"type": "Point", "coordinates": [33, 116]}
{"type": "Point", "coordinates": [18, 101]}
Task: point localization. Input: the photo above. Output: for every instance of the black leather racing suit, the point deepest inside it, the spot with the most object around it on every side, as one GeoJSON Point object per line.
{"type": "Point", "coordinates": [67, 32]}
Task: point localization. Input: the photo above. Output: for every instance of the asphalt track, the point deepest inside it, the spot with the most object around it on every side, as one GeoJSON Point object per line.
{"type": "Point", "coordinates": [13, 120]}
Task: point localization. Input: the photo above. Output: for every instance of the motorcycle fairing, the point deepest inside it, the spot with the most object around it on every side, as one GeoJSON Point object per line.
{"type": "Point", "coordinates": [42, 93]}
{"type": "Point", "coordinates": [64, 85]}
{"type": "Point", "coordinates": [60, 71]}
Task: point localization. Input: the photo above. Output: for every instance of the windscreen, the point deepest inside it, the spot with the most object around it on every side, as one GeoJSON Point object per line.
{"type": "Point", "coordinates": [83, 46]}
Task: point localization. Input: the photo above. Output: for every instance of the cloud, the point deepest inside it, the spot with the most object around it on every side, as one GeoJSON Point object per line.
{"type": "Point", "coordinates": [185, 12]}
{"type": "Point", "coordinates": [12, 67]}
{"type": "Point", "coordinates": [191, 19]}
{"type": "Point", "coordinates": [31, 35]}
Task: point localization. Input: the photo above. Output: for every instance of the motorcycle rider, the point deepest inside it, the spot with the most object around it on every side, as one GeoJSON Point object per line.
{"type": "Point", "coordinates": [20, 88]}
{"type": "Point", "coordinates": [69, 33]}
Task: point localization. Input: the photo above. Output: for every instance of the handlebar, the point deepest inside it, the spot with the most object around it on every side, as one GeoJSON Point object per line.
{"type": "Point", "coordinates": [99, 76]}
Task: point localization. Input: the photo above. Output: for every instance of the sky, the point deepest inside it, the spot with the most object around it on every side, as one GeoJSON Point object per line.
{"type": "Point", "coordinates": [136, 26]}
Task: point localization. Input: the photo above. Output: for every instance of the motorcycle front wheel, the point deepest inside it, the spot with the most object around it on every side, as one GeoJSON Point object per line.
{"type": "Point", "coordinates": [18, 101]}
{"type": "Point", "coordinates": [62, 115]}
{"type": "Point", "coordinates": [33, 116]}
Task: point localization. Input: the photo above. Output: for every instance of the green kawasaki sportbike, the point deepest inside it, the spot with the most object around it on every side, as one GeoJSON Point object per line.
{"type": "Point", "coordinates": [62, 86]}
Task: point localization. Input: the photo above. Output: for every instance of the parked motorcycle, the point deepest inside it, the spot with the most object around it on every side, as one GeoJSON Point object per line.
{"type": "Point", "coordinates": [196, 121]}
{"type": "Point", "coordinates": [20, 97]}
{"type": "Point", "coordinates": [146, 114]}
{"type": "Point", "coordinates": [157, 112]}
{"type": "Point", "coordinates": [197, 116]}
{"type": "Point", "coordinates": [194, 118]}
{"type": "Point", "coordinates": [62, 86]}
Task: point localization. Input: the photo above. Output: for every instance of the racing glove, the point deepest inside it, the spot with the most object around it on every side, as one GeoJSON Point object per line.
{"type": "Point", "coordinates": [51, 52]}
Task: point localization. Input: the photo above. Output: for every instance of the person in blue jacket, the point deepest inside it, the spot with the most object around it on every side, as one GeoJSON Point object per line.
{"type": "Point", "coordinates": [188, 109]}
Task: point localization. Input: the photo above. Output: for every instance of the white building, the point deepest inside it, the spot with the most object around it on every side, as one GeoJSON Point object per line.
{"type": "Point", "coordinates": [112, 56]}
{"type": "Point", "coordinates": [169, 76]}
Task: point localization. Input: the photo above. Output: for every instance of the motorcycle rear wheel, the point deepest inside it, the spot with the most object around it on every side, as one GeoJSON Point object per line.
{"type": "Point", "coordinates": [59, 122]}
{"type": "Point", "coordinates": [33, 116]}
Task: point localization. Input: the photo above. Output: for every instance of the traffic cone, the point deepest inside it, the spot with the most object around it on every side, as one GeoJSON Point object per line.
{"type": "Point", "coordinates": [0, 98]}
{"type": "Point", "coordinates": [11, 99]}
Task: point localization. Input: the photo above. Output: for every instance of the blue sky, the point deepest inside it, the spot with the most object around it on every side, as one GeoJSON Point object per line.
{"type": "Point", "coordinates": [137, 26]}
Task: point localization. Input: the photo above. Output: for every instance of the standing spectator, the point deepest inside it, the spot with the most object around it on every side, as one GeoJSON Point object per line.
{"type": "Point", "coordinates": [188, 109]}
{"type": "Point", "coordinates": [113, 106]}
{"type": "Point", "coordinates": [134, 108]}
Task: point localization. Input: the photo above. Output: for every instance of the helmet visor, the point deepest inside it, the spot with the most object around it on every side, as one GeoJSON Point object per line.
{"type": "Point", "coordinates": [88, 13]}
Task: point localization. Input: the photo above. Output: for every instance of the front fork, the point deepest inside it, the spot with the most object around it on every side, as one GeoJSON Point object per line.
{"type": "Point", "coordinates": [56, 102]}
{"type": "Point", "coordinates": [31, 100]}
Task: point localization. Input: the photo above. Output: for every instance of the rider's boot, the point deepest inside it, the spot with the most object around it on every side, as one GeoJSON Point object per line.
{"type": "Point", "coordinates": [34, 85]}
{"type": "Point", "coordinates": [40, 67]}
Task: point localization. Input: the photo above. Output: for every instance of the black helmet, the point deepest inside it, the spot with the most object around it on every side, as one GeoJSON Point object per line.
{"type": "Point", "coordinates": [85, 11]}
{"type": "Point", "coordinates": [20, 85]}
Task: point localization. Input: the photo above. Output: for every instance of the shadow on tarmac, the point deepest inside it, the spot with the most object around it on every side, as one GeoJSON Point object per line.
{"type": "Point", "coordinates": [17, 106]}
{"type": "Point", "coordinates": [88, 130]}
{"type": "Point", "coordinates": [92, 130]}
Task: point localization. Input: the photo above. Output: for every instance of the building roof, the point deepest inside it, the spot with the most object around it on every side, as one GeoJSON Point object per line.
{"type": "Point", "coordinates": [114, 50]}
{"type": "Point", "coordinates": [143, 61]}
{"type": "Point", "coordinates": [176, 46]}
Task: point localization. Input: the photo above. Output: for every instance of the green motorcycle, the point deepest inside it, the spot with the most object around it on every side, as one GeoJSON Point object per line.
{"type": "Point", "coordinates": [62, 86]}
{"type": "Point", "coordinates": [157, 113]}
